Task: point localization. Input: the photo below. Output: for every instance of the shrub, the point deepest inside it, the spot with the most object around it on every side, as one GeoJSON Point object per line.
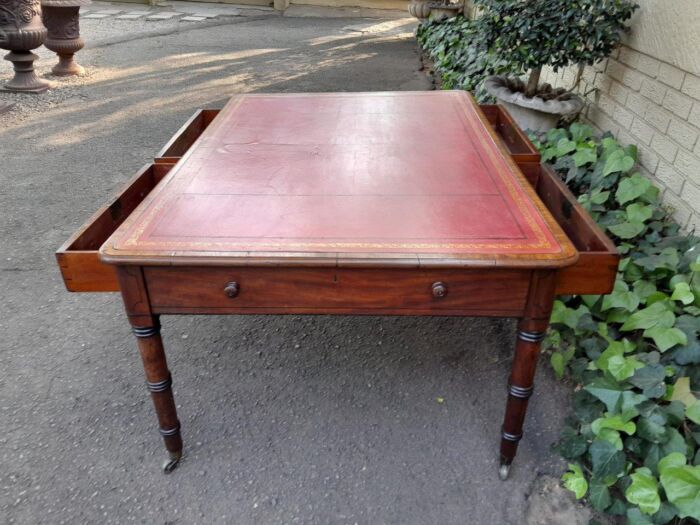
{"type": "Point", "coordinates": [536, 33]}
{"type": "Point", "coordinates": [634, 437]}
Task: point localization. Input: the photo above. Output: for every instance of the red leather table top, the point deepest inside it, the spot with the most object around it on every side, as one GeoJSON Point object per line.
{"type": "Point", "coordinates": [404, 178]}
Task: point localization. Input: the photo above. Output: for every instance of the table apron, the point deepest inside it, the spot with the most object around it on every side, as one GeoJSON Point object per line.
{"type": "Point", "coordinates": [343, 291]}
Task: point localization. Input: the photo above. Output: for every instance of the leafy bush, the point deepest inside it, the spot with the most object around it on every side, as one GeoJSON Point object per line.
{"type": "Point", "coordinates": [556, 33]}
{"type": "Point", "coordinates": [634, 437]}
{"type": "Point", "coordinates": [460, 55]}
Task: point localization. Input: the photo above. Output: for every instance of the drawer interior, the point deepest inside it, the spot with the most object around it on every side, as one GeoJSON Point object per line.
{"type": "Point", "coordinates": [519, 146]}
{"type": "Point", "coordinates": [594, 272]}
{"type": "Point", "coordinates": [78, 259]}
{"type": "Point", "coordinates": [178, 145]}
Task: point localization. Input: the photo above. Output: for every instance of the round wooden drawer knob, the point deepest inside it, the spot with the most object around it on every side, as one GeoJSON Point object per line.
{"type": "Point", "coordinates": [232, 289]}
{"type": "Point", "coordinates": [439, 289]}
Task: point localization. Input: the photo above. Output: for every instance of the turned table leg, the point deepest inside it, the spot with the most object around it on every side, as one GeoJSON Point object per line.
{"type": "Point", "coordinates": [146, 328]}
{"type": "Point", "coordinates": [531, 330]}
{"type": "Point", "coordinates": [159, 384]}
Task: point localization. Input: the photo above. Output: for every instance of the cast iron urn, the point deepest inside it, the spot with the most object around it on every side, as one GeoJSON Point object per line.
{"type": "Point", "coordinates": [21, 31]}
{"type": "Point", "coordinates": [62, 19]}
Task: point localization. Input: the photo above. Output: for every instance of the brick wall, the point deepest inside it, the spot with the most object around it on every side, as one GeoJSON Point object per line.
{"type": "Point", "coordinates": [652, 104]}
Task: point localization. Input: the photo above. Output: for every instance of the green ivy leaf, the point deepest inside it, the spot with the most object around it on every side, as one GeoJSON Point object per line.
{"type": "Point", "coordinates": [615, 422]}
{"type": "Point", "coordinates": [682, 293]}
{"type": "Point", "coordinates": [674, 459]}
{"type": "Point", "coordinates": [599, 496]}
{"type": "Point", "coordinates": [635, 517]}
{"type": "Point", "coordinates": [599, 197]}
{"type": "Point", "coordinates": [651, 380]}
{"type": "Point", "coordinates": [612, 437]}
{"type": "Point", "coordinates": [561, 314]}
{"type": "Point", "coordinates": [621, 367]}
{"type": "Point", "coordinates": [666, 259]}
{"type": "Point", "coordinates": [608, 391]}
{"type": "Point", "coordinates": [657, 314]}
{"type": "Point", "coordinates": [557, 362]}
{"type": "Point", "coordinates": [632, 188]}
{"type": "Point", "coordinates": [627, 230]}
{"type": "Point", "coordinates": [643, 289]}
{"type": "Point", "coordinates": [584, 156]}
{"type": "Point", "coordinates": [644, 491]}
{"type": "Point", "coordinates": [618, 161]}
{"type": "Point", "coordinates": [575, 481]}
{"type": "Point", "coordinates": [621, 297]}
{"type": "Point", "coordinates": [565, 146]}
{"type": "Point", "coordinates": [639, 212]}
{"type": "Point", "coordinates": [580, 132]}
{"type": "Point", "coordinates": [682, 487]}
{"type": "Point", "coordinates": [665, 338]}
{"type": "Point", "coordinates": [607, 462]}
{"type": "Point", "coordinates": [682, 393]}
{"type": "Point", "coordinates": [652, 428]}
{"type": "Point", "coordinates": [693, 413]}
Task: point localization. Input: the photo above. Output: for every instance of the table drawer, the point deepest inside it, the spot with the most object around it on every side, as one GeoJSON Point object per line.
{"type": "Point", "coordinates": [78, 259]}
{"type": "Point", "coordinates": [178, 145]}
{"type": "Point", "coordinates": [596, 268]}
{"type": "Point", "coordinates": [595, 271]}
{"type": "Point", "coordinates": [336, 290]}
{"type": "Point", "coordinates": [522, 151]}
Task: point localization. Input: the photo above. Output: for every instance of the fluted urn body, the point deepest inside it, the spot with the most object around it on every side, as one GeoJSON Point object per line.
{"type": "Point", "coordinates": [21, 31]}
{"type": "Point", "coordinates": [419, 9]}
{"type": "Point", "coordinates": [62, 19]}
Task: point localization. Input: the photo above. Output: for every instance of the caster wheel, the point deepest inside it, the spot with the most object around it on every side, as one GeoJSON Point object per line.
{"type": "Point", "coordinates": [503, 472]}
{"type": "Point", "coordinates": [170, 463]}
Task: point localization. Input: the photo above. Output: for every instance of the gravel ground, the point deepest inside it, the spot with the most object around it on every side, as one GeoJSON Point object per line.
{"type": "Point", "coordinates": [286, 419]}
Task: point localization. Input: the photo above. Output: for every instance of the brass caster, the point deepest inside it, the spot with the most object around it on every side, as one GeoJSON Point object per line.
{"type": "Point", "coordinates": [503, 472]}
{"type": "Point", "coordinates": [172, 461]}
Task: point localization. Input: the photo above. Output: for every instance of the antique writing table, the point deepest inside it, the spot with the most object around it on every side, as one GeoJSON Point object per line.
{"type": "Point", "coordinates": [367, 203]}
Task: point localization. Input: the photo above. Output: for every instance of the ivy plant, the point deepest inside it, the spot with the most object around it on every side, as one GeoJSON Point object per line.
{"type": "Point", "coordinates": [633, 440]}
{"type": "Point", "coordinates": [460, 54]}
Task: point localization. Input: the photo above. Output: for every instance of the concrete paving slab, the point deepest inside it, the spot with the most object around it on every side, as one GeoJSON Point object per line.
{"type": "Point", "coordinates": [286, 419]}
{"type": "Point", "coordinates": [193, 18]}
{"type": "Point", "coordinates": [131, 16]}
{"type": "Point", "coordinates": [163, 16]}
{"type": "Point", "coordinates": [95, 16]}
{"type": "Point", "coordinates": [310, 11]}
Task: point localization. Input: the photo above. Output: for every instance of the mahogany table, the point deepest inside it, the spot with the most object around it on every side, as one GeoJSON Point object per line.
{"type": "Point", "coordinates": [364, 203]}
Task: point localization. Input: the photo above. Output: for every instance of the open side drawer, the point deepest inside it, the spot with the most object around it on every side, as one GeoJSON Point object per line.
{"type": "Point", "coordinates": [596, 268]}
{"type": "Point", "coordinates": [178, 145]}
{"type": "Point", "coordinates": [594, 272]}
{"type": "Point", "coordinates": [78, 258]}
{"type": "Point", "coordinates": [522, 151]}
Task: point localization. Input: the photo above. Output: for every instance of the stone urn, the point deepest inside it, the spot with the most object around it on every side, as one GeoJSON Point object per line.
{"type": "Point", "coordinates": [62, 19]}
{"type": "Point", "coordinates": [21, 30]}
{"type": "Point", "coordinates": [539, 113]}
{"type": "Point", "coordinates": [444, 9]}
{"type": "Point", "coordinates": [419, 9]}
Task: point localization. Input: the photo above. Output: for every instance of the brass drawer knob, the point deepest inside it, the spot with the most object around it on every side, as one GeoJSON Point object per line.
{"type": "Point", "coordinates": [439, 289]}
{"type": "Point", "coordinates": [232, 289]}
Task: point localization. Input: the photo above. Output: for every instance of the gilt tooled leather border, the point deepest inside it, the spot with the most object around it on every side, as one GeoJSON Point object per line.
{"type": "Point", "coordinates": [544, 241]}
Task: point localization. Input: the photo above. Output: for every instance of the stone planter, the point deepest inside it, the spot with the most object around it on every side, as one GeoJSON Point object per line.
{"type": "Point", "coordinates": [539, 113]}
{"type": "Point", "coordinates": [442, 10]}
{"type": "Point", "coordinates": [62, 19]}
{"type": "Point", "coordinates": [21, 31]}
{"type": "Point", "coordinates": [419, 9]}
